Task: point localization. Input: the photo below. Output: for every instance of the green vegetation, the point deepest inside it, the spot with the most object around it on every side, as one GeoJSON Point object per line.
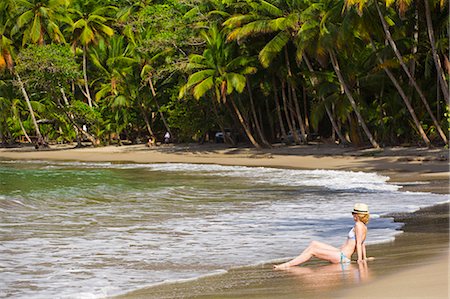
{"type": "Point", "coordinates": [365, 72]}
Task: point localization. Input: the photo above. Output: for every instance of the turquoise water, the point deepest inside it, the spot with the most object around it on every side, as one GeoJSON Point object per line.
{"type": "Point", "coordinates": [77, 230]}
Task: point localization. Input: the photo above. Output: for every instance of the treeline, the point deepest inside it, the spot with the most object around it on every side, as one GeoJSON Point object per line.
{"type": "Point", "coordinates": [365, 72]}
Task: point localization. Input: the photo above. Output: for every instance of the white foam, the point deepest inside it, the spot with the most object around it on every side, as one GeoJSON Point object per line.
{"type": "Point", "coordinates": [330, 179]}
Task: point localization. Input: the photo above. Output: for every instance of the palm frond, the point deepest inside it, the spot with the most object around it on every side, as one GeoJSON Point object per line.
{"type": "Point", "coordinates": [235, 81]}
{"type": "Point", "coordinates": [238, 20]}
{"type": "Point", "coordinates": [272, 48]}
{"type": "Point", "coordinates": [201, 88]}
{"type": "Point", "coordinates": [199, 76]}
{"type": "Point", "coordinates": [270, 8]}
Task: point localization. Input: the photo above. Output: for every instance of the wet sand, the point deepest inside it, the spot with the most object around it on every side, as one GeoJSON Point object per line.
{"type": "Point", "coordinates": [415, 265]}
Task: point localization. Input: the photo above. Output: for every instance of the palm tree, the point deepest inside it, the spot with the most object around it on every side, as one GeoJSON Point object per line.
{"type": "Point", "coordinates": [89, 25]}
{"type": "Point", "coordinates": [38, 19]}
{"type": "Point", "coordinates": [271, 19]}
{"type": "Point", "coordinates": [336, 67]}
{"type": "Point", "coordinates": [314, 82]}
{"type": "Point", "coordinates": [118, 89]}
{"type": "Point", "coordinates": [296, 24]}
{"type": "Point", "coordinates": [404, 98]}
{"type": "Point", "coordinates": [408, 73]}
{"type": "Point", "coordinates": [218, 70]}
{"type": "Point", "coordinates": [437, 62]}
{"type": "Point", "coordinates": [147, 77]}
{"type": "Point", "coordinates": [403, 5]}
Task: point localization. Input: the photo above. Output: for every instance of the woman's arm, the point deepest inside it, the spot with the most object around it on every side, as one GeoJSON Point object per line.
{"type": "Point", "coordinates": [360, 233]}
{"type": "Point", "coordinates": [364, 251]}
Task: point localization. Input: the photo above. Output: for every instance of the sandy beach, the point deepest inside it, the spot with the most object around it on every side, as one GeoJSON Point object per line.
{"type": "Point", "coordinates": [415, 265]}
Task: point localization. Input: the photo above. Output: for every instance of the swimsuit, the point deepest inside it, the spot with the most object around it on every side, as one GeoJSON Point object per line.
{"type": "Point", "coordinates": [344, 259]}
{"type": "Point", "coordinates": [351, 234]}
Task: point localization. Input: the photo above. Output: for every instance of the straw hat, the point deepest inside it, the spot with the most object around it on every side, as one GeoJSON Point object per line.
{"type": "Point", "coordinates": [360, 208]}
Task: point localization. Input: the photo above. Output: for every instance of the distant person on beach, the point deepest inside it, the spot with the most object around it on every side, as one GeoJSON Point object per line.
{"type": "Point", "coordinates": [354, 242]}
{"type": "Point", "coordinates": [167, 138]}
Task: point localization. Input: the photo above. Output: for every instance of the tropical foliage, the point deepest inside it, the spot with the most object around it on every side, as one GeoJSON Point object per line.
{"type": "Point", "coordinates": [361, 72]}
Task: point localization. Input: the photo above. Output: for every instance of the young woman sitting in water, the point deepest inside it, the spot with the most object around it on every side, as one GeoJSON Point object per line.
{"type": "Point", "coordinates": [354, 242]}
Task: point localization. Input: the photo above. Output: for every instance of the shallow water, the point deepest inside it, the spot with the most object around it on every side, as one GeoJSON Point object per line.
{"type": "Point", "coordinates": [77, 230]}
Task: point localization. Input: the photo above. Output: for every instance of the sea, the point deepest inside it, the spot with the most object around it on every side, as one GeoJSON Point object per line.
{"type": "Point", "coordinates": [94, 230]}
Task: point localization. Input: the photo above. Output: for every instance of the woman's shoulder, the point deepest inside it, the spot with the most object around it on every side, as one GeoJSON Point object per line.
{"type": "Point", "coordinates": [360, 225]}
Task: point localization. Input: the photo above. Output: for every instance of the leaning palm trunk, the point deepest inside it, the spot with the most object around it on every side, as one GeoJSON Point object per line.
{"type": "Point", "coordinates": [227, 139]}
{"type": "Point", "coordinates": [286, 113]}
{"type": "Point", "coordinates": [299, 116]}
{"type": "Point", "coordinates": [437, 62]}
{"type": "Point", "coordinates": [147, 122]}
{"type": "Point", "coordinates": [293, 98]}
{"type": "Point", "coordinates": [330, 115]}
{"type": "Point", "coordinates": [24, 131]}
{"type": "Point", "coordinates": [40, 139]}
{"type": "Point", "coordinates": [337, 70]}
{"type": "Point", "coordinates": [244, 124]}
{"type": "Point", "coordinates": [280, 116]}
{"type": "Point", "coordinates": [90, 137]}
{"type": "Point", "coordinates": [405, 99]}
{"type": "Point", "coordinates": [405, 68]}
{"type": "Point", "coordinates": [86, 91]}
{"type": "Point", "coordinates": [159, 108]}
{"type": "Point", "coordinates": [255, 118]}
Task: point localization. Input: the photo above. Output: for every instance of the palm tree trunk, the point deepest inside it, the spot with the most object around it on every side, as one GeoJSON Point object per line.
{"type": "Point", "coordinates": [147, 122]}
{"type": "Point", "coordinates": [269, 118]}
{"type": "Point", "coordinates": [412, 65]}
{"type": "Point", "coordinates": [40, 139]}
{"type": "Point", "coordinates": [305, 108]}
{"type": "Point", "coordinates": [299, 116]}
{"type": "Point", "coordinates": [255, 118]}
{"type": "Point", "coordinates": [86, 92]}
{"type": "Point", "coordinates": [90, 137]}
{"type": "Point", "coordinates": [330, 115]}
{"type": "Point", "coordinates": [278, 107]}
{"type": "Point", "coordinates": [24, 131]}
{"type": "Point", "coordinates": [286, 113]}
{"type": "Point", "coordinates": [227, 139]}
{"type": "Point", "coordinates": [405, 68]}
{"type": "Point", "coordinates": [159, 108]}
{"type": "Point", "coordinates": [361, 121]}
{"type": "Point", "coordinates": [244, 124]}
{"type": "Point", "coordinates": [437, 62]}
{"type": "Point", "coordinates": [404, 97]}
{"type": "Point", "coordinates": [293, 98]}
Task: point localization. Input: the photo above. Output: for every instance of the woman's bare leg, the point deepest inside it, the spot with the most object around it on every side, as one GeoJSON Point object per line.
{"type": "Point", "coordinates": [318, 249]}
{"type": "Point", "coordinates": [322, 245]}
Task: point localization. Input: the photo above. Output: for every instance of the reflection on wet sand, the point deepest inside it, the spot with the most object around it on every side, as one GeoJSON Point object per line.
{"type": "Point", "coordinates": [324, 277]}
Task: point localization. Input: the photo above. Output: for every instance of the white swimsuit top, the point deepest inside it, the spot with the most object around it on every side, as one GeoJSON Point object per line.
{"type": "Point", "coordinates": [351, 234]}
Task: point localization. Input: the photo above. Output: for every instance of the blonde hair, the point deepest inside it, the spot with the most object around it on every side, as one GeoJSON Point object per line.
{"type": "Point", "coordinates": [364, 218]}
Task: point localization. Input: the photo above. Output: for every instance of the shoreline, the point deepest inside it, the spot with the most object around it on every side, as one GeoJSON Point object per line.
{"type": "Point", "coordinates": [414, 265]}
{"type": "Point", "coordinates": [428, 167]}
{"type": "Point", "coordinates": [415, 169]}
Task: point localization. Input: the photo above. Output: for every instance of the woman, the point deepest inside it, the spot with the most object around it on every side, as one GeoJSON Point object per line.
{"type": "Point", "coordinates": [354, 242]}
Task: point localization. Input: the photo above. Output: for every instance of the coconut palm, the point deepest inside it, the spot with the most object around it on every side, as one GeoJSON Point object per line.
{"type": "Point", "coordinates": [281, 21]}
{"type": "Point", "coordinates": [220, 71]}
{"type": "Point", "coordinates": [303, 24]}
{"type": "Point", "coordinates": [88, 25]}
{"type": "Point", "coordinates": [118, 81]}
{"type": "Point", "coordinates": [38, 20]}
{"type": "Point", "coordinates": [403, 5]}
{"type": "Point", "coordinates": [437, 62]}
